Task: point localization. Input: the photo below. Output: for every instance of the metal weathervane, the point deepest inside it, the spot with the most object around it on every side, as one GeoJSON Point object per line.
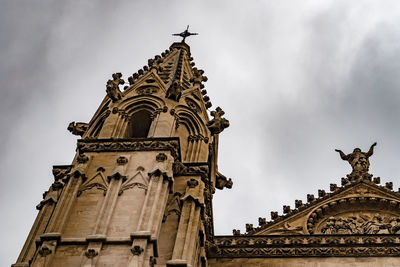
{"type": "Point", "coordinates": [185, 34]}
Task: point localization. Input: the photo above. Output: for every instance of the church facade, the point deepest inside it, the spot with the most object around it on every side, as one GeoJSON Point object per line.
{"type": "Point", "coordinates": [140, 188]}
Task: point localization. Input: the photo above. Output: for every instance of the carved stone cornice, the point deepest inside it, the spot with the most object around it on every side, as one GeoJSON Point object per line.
{"type": "Point", "coordinates": [305, 246]}
{"type": "Point", "coordinates": [126, 145]}
{"type": "Point", "coordinates": [190, 169]}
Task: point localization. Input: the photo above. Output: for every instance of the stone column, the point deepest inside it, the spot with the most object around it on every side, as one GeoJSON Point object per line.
{"type": "Point", "coordinates": [52, 235]}
{"type": "Point", "coordinates": [103, 219]}
{"type": "Point", "coordinates": [46, 208]}
{"type": "Point", "coordinates": [144, 240]}
{"type": "Point", "coordinates": [189, 225]}
{"type": "Point", "coordinates": [99, 233]}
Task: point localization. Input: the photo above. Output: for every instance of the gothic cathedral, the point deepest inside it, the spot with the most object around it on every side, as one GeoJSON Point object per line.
{"type": "Point", "coordinates": [139, 190]}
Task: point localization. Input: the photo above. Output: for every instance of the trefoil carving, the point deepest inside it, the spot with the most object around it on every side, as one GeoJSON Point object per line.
{"type": "Point", "coordinates": [137, 250]}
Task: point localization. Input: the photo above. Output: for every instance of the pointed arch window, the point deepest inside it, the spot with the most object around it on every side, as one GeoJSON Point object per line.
{"type": "Point", "coordinates": [139, 124]}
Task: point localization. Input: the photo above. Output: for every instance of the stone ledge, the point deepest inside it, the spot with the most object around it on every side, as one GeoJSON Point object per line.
{"type": "Point", "coordinates": [20, 264]}
{"type": "Point", "coordinates": [177, 263]}
{"type": "Point", "coordinates": [50, 236]}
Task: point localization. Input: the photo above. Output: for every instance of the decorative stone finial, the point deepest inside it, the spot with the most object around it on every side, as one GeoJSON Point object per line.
{"type": "Point", "coordinates": [298, 203]}
{"type": "Point", "coordinates": [262, 221]}
{"type": "Point", "coordinates": [249, 227]}
{"type": "Point", "coordinates": [198, 76]}
{"type": "Point", "coordinates": [359, 162]}
{"type": "Point", "coordinates": [217, 124]}
{"type": "Point", "coordinates": [236, 232]}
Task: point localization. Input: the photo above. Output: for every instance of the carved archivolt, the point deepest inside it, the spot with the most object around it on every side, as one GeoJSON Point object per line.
{"type": "Point", "coordinates": [97, 121]}
{"type": "Point", "coordinates": [97, 125]}
{"type": "Point", "coordinates": [148, 103]}
{"type": "Point", "coordinates": [364, 223]}
{"type": "Point", "coordinates": [192, 121]}
{"type": "Point", "coordinates": [136, 102]}
{"type": "Point", "coordinates": [196, 134]}
{"type": "Point", "coordinates": [356, 215]}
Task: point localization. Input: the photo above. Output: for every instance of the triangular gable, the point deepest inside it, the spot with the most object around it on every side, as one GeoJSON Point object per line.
{"type": "Point", "coordinates": [149, 83]}
{"type": "Point", "coordinates": [97, 181]}
{"type": "Point", "coordinates": [137, 180]}
{"type": "Point", "coordinates": [353, 205]}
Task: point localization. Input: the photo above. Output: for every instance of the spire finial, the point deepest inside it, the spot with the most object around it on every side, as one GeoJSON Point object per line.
{"type": "Point", "coordinates": [185, 34]}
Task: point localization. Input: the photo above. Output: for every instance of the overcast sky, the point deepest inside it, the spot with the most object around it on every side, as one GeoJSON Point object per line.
{"type": "Point", "coordinates": [296, 79]}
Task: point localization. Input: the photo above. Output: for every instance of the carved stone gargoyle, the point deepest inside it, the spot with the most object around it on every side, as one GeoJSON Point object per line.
{"type": "Point", "coordinates": [112, 88]}
{"type": "Point", "coordinates": [217, 124]}
{"type": "Point", "coordinates": [77, 128]}
{"type": "Point", "coordinates": [222, 182]}
{"type": "Point", "coordinates": [175, 91]}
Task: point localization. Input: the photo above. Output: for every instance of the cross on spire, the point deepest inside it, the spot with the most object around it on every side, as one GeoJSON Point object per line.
{"type": "Point", "coordinates": [185, 34]}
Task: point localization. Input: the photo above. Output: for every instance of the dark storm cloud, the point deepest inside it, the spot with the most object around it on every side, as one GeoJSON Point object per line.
{"type": "Point", "coordinates": [342, 92]}
{"type": "Point", "coordinates": [296, 79]}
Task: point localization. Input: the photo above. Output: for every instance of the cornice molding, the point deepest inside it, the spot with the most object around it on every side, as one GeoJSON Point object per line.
{"type": "Point", "coordinates": [142, 144]}
{"type": "Point", "coordinates": [305, 246]}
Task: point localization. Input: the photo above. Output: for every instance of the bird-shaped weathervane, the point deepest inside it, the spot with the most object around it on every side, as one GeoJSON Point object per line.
{"type": "Point", "coordinates": [185, 34]}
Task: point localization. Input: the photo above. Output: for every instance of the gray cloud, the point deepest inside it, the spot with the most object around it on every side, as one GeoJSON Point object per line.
{"type": "Point", "coordinates": [296, 79]}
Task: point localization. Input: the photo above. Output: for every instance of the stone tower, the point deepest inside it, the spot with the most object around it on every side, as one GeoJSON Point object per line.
{"type": "Point", "coordinates": [139, 190]}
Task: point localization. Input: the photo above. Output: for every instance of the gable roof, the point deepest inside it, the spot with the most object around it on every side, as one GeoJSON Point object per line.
{"type": "Point", "coordinates": [303, 218]}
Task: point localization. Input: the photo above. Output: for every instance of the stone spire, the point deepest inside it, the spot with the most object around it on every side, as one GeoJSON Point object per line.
{"type": "Point", "coordinates": [177, 70]}
{"type": "Point", "coordinates": [139, 189]}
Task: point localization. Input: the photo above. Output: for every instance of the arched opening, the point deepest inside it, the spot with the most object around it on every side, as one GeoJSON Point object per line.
{"type": "Point", "coordinates": [139, 124]}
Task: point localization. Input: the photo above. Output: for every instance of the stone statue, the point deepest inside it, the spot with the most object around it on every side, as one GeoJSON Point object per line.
{"type": "Point", "coordinates": [358, 160]}
{"type": "Point", "coordinates": [112, 88]}
{"type": "Point", "coordinates": [175, 91]}
{"type": "Point", "coordinates": [362, 224]}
